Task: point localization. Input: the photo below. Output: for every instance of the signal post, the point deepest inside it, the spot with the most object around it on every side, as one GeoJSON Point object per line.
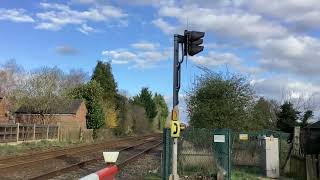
{"type": "Point", "coordinates": [191, 43]}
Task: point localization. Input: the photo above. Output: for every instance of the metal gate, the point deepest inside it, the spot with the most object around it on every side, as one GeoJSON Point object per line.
{"type": "Point", "coordinates": [202, 153]}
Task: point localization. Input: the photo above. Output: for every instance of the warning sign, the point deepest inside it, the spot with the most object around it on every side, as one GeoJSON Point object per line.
{"type": "Point", "coordinates": [175, 129]}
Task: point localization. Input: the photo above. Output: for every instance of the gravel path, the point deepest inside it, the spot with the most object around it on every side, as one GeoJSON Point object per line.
{"type": "Point", "coordinates": [146, 164]}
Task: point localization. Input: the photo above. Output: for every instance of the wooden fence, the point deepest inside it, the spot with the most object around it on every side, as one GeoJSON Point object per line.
{"type": "Point", "coordinates": [17, 133]}
{"type": "Point", "coordinates": [305, 167]}
{"type": "Point", "coordinates": [302, 165]}
{"type": "Point", "coordinates": [10, 133]}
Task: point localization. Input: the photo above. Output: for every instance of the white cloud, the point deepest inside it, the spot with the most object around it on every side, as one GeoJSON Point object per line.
{"type": "Point", "coordinates": [85, 29]}
{"type": "Point", "coordinates": [294, 54]}
{"type": "Point", "coordinates": [119, 55]}
{"type": "Point", "coordinates": [145, 45]}
{"type": "Point", "coordinates": [274, 45]}
{"type": "Point", "coordinates": [305, 95]}
{"type": "Point", "coordinates": [142, 58]}
{"type": "Point", "coordinates": [15, 15]}
{"type": "Point", "coordinates": [217, 59]}
{"type": "Point", "coordinates": [302, 15]}
{"type": "Point", "coordinates": [56, 16]}
{"type": "Point", "coordinates": [83, 1]}
{"type": "Point", "coordinates": [164, 26]}
{"type": "Point", "coordinates": [223, 22]}
{"type": "Point", "coordinates": [214, 59]}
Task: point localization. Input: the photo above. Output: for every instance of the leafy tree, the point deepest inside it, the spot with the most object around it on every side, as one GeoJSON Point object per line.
{"type": "Point", "coordinates": [162, 109]}
{"type": "Point", "coordinates": [123, 108]}
{"type": "Point", "coordinates": [144, 99]}
{"type": "Point", "coordinates": [287, 117]}
{"type": "Point", "coordinates": [220, 101]}
{"type": "Point", "coordinates": [264, 115]}
{"type": "Point", "coordinates": [92, 94]}
{"type": "Point", "coordinates": [306, 116]}
{"type": "Point", "coordinates": [103, 75]}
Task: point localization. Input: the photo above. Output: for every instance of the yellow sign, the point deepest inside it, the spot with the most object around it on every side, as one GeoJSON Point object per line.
{"type": "Point", "coordinates": [175, 114]}
{"type": "Point", "coordinates": [243, 137]}
{"type": "Point", "coordinates": [175, 129]}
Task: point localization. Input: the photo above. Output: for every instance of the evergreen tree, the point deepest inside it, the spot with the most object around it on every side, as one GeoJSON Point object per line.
{"type": "Point", "coordinates": [306, 116]}
{"type": "Point", "coordinates": [144, 99]}
{"type": "Point", "coordinates": [287, 117]}
{"type": "Point", "coordinates": [162, 109]}
{"type": "Point", "coordinates": [103, 75]}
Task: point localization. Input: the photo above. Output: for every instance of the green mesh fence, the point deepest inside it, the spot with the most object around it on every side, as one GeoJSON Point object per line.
{"type": "Point", "coordinates": [195, 155]}
{"type": "Point", "coordinates": [203, 153]}
{"type": "Point", "coordinates": [248, 152]}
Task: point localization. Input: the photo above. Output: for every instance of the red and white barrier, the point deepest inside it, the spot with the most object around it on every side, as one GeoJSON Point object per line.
{"type": "Point", "coordinates": [108, 173]}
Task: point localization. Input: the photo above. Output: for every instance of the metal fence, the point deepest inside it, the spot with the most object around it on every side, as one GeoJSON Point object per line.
{"type": "Point", "coordinates": [247, 149]}
{"type": "Point", "coordinates": [206, 154]}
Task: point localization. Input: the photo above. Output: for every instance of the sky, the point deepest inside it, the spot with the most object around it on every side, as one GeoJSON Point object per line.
{"type": "Point", "coordinates": [276, 44]}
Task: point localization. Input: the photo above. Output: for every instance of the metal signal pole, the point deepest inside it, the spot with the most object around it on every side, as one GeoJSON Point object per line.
{"type": "Point", "coordinates": [191, 42]}
{"type": "Point", "coordinates": [176, 88]}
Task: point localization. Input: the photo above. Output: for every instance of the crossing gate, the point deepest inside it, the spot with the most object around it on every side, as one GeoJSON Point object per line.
{"type": "Point", "coordinates": [203, 152]}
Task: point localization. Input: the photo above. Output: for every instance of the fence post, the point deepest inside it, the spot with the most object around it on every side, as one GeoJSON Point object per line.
{"type": "Point", "coordinates": [166, 154]}
{"type": "Point", "coordinates": [17, 132]}
{"type": "Point", "coordinates": [58, 132]}
{"type": "Point", "coordinates": [222, 150]}
{"type": "Point", "coordinates": [5, 132]}
{"type": "Point", "coordinates": [34, 132]}
{"type": "Point", "coordinates": [47, 132]}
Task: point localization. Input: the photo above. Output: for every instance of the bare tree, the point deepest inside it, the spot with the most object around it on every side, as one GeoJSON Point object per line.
{"type": "Point", "coordinates": [11, 76]}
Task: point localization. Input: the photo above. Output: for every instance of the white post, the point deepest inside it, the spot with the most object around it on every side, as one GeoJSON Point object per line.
{"type": "Point", "coordinates": [175, 159]}
{"type": "Point", "coordinates": [17, 131]}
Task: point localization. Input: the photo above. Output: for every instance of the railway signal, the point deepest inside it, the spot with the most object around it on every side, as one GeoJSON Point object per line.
{"type": "Point", "coordinates": [191, 42]}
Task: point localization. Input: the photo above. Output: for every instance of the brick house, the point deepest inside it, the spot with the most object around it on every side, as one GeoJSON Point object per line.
{"type": "Point", "coordinates": [4, 109]}
{"type": "Point", "coordinates": [70, 115]}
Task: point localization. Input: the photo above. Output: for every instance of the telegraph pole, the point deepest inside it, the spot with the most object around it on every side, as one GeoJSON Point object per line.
{"type": "Point", "coordinates": [190, 41]}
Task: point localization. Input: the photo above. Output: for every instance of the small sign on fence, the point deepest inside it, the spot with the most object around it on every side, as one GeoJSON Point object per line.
{"type": "Point", "coordinates": [219, 138]}
{"type": "Point", "coordinates": [243, 137]}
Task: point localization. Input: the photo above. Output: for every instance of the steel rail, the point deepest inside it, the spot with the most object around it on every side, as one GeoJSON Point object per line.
{"type": "Point", "coordinates": [86, 162]}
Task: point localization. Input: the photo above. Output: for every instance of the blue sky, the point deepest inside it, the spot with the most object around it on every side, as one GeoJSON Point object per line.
{"type": "Point", "coordinates": [274, 43]}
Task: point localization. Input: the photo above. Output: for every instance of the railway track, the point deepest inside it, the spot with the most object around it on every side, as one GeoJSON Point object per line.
{"type": "Point", "coordinates": [33, 161]}
{"type": "Point", "coordinates": [132, 152]}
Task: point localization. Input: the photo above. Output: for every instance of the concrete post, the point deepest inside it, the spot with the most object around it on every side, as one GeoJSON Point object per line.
{"type": "Point", "coordinates": [17, 131]}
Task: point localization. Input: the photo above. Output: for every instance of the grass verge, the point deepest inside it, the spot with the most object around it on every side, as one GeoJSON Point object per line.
{"type": "Point", "coordinates": [11, 150]}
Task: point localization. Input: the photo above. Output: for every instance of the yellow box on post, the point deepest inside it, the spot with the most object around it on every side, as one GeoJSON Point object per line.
{"type": "Point", "coordinates": [175, 114]}
{"type": "Point", "coordinates": [175, 129]}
